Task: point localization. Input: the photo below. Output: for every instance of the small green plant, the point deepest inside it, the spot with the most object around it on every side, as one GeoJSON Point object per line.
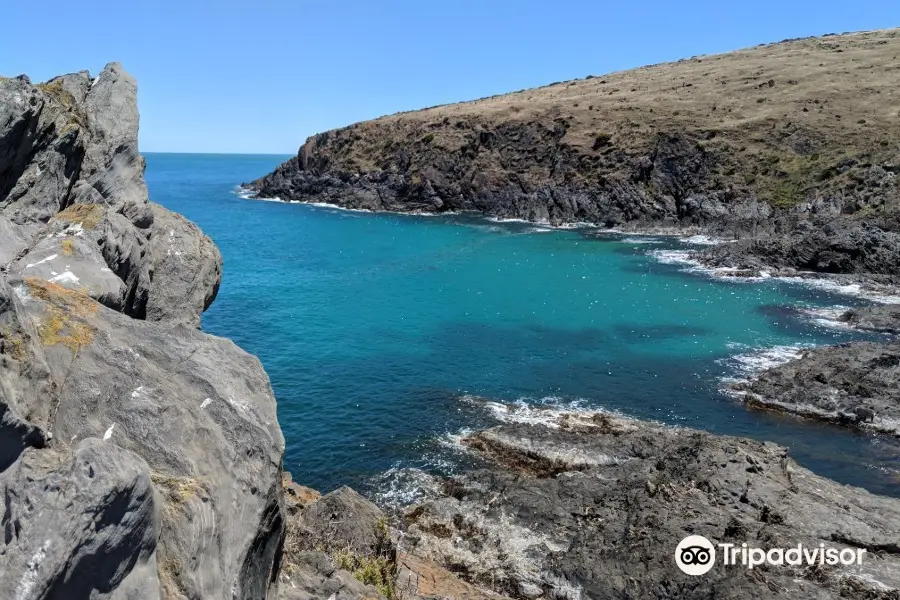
{"type": "Point", "coordinates": [786, 194]}
{"type": "Point", "coordinates": [378, 571]}
{"type": "Point", "coordinates": [428, 138]}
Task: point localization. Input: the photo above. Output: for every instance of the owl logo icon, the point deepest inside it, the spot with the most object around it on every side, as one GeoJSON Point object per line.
{"type": "Point", "coordinates": [695, 555]}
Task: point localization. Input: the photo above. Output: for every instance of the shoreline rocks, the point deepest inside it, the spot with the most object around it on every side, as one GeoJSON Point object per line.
{"type": "Point", "coordinates": [852, 385]}
{"type": "Point", "coordinates": [594, 506]}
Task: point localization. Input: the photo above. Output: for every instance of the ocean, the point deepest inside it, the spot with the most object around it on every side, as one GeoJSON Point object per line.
{"type": "Point", "coordinates": [384, 334]}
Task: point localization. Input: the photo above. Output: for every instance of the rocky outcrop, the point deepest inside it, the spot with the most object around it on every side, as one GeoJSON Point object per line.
{"type": "Point", "coordinates": [880, 318]}
{"type": "Point", "coordinates": [74, 202]}
{"type": "Point", "coordinates": [832, 247]}
{"type": "Point", "coordinates": [594, 506]}
{"type": "Point", "coordinates": [856, 385]}
{"type": "Point", "coordinates": [139, 457]}
{"type": "Point", "coordinates": [339, 546]}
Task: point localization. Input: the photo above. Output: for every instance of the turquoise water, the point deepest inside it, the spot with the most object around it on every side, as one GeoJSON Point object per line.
{"type": "Point", "coordinates": [373, 326]}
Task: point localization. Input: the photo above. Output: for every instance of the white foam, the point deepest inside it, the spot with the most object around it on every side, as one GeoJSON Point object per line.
{"type": "Point", "coordinates": [399, 487]}
{"type": "Point", "coordinates": [827, 316]}
{"type": "Point", "coordinates": [683, 257]}
{"type": "Point", "coordinates": [640, 240]}
{"type": "Point", "coordinates": [675, 257]}
{"type": "Point", "coordinates": [757, 361]}
{"type": "Point", "coordinates": [746, 365]}
{"type": "Point", "coordinates": [702, 240]}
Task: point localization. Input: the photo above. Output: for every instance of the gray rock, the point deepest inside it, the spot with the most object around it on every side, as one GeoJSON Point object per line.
{"type": "Point", "coordinates": [79, 525]}
{"type": "Point", "coordinates": [882, 318]}
{"type": "Point", "coordinates": [313, 576]}
{"type": "Point", "coordinates": [829, 247]}
{"type": "Point", "coordinates": [344, 520]}
{"type": "Point", "coordinates": [186, 267]}
{"type": "Point", "coordinates": [595, 506]}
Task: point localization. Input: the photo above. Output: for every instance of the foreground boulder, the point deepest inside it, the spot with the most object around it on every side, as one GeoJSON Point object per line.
{"type": "Point", "coordinates": [139, 457]}
{"type": "Point", "coordinates": [593, 506]}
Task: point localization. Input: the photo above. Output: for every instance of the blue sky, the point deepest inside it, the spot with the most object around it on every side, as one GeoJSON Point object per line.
{"type": "Point", "coordinates": [260, 76]}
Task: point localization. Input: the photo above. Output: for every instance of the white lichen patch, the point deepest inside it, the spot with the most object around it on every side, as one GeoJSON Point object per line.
{"type": "Point", "coordinates": [42, 261]}
{"type": "Point", "coordinates": [29, 577]}
{"type": "Point", "coordinates": [109, 432]}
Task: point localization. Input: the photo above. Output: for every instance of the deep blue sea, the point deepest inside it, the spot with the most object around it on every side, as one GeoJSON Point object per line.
{"type": "Point", "coordinates": [374, 328]}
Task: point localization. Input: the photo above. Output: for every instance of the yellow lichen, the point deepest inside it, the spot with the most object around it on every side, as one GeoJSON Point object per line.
{"type": "Point", "coordinates": [55, 91]}
{"type": "Point", "coordinates": [67, 247]}
{"type": "Point", "coordinates": [88, 215]}
{"type": "Point", "coordinates": [177, 491]}
{"type": "Point", "coordinates": [67, 311]}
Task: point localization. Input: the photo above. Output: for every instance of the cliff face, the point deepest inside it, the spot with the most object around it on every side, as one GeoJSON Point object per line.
{"type": "Point", "coordinates": [748, 141]}
{"type": "Point", "coordinates": [139, 457]}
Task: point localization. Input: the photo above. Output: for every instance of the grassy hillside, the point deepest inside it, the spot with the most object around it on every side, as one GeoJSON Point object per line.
{"type": "Point", "coordinates": [786, 123]}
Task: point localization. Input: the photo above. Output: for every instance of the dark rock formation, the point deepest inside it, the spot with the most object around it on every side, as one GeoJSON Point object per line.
{"type": "Point", "coordinates": [882, 318]}
{"type": "Point", "coordinates": [139, 457]}
{"type": "Point", "coordinates": [854, 384]}
{"type": "Point", "coordinates": [833, 247]}
{"type": "Point", "coordinates": [594, 506]}
{"type": "Point", "coordinates": [338, 546]}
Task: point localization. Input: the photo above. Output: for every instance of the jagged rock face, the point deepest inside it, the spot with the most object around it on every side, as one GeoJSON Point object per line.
{"type": "Point", "coordinates": [823, 247]}
{"type": "Point", "coordinates": [74, 205]}
{"type": "Point", "coordinates": [746, 142]}
{"type": "Point", "coordinates": [594, 506]}
{"type": "Point", "coordinates": [139, 457]}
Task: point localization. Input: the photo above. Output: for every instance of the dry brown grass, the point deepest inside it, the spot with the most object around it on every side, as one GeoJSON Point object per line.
{"type": "Point", "coordinates": [13, 344]}
{"type": "Point", "coordinates": [55, 91]}
{"type": "Point", "coordinates": [67, 313]}
{"type": "Point", "coordinates": [89, 215]}
{"type": "Point", "coordinates": [781, 117]}
{"type": "Point", "coordinates": [177, 491]}
{"type": "Point", "coordinates": [67, 247]}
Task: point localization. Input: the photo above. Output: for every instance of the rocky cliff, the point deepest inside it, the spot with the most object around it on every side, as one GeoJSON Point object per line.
{"type": "Point", "coordinates": [139, 457]}
{"type": "Point", "coordinates": [747, 142]}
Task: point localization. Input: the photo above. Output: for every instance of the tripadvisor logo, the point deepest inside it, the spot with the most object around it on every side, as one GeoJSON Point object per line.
{"type": "Point", "coordinates": [696, 555]}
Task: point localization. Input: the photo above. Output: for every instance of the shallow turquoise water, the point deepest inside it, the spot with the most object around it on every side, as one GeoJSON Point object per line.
{"type": "Point", "coordinates": [372, 327]}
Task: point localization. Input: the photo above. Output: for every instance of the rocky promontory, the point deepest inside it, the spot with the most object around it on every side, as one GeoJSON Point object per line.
{"type": "Point", "coordinates": [746, 143]}
{"type": "Point", "coordinates": [854, 385]}
{"type": "Point", "coordinates": [139, 457]}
